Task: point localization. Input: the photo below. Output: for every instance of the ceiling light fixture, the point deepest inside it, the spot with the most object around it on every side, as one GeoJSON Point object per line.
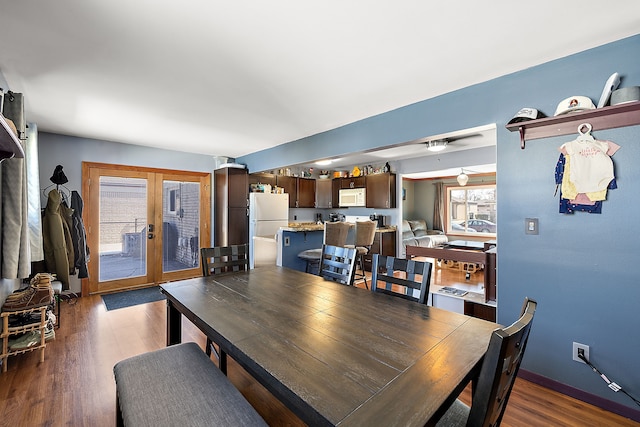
{"type": "Point", "coordinates": [463, 178]}
{"type": "Point", "coordinates": [323, 162]}
{"type": "Point", "coordinates": [437, 145]}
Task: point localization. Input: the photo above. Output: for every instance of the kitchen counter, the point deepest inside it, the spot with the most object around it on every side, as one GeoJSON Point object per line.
{"type": "Point", "coordinates": [303, 226]}
{"type": "Point", "coordinates": [312, 226]}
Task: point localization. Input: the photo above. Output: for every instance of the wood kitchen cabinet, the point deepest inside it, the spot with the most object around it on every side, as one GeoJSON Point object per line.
{"type": "Point", "coordinates": [336, 185]}
{"type": "Point", "coordinates": [384, 243]}
{"type": "Point", "coordinates": [290, 185]}
{"type": "Point", "coordinates": [301, 191]}
{"type": "Point", "coordinates": [231, 194]}
{"type": "Point", "coordinates": [381, 191]}
{"type": "Point", "coordinates": [324, 193]}
{"type": "Point", "coordinates": [262, 178]}
{"type": "Point", "coordinates": [353, 182]}
{"type": "Point", "coordinates": [306, 194]}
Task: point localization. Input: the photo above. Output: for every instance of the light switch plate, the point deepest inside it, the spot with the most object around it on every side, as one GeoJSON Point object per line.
{"type": "Point", "coordinates": [531, 225]}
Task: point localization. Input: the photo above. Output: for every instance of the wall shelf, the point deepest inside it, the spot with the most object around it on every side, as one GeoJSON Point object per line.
{"type": "Point", "coordinates": [9, 144]}
{"type": "Point", "coordinates": [601, 118]}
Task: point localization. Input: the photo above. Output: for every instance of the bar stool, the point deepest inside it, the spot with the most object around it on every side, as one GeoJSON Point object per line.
{"type": "Point", "coordinates": [335, 234]}
{"type": "Point", "coordinates": [365, 233]}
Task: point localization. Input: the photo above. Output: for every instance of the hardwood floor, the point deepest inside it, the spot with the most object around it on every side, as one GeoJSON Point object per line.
{"type": "Point", "coordinates": [75, 386]}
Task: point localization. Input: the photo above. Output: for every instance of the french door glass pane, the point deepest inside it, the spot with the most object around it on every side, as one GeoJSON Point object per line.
{"type": "Point", "coordinates": [123, 228]}
{"type": "Point", "coordinates": [180, 223]}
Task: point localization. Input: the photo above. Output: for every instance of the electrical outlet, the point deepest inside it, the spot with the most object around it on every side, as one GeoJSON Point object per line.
{"type": "Point", "coordinates": [287, 242]}
{"type": "Point", "coordinates": [577, 346]}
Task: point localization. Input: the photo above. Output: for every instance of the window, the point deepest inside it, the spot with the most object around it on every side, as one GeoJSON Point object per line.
{"type": "Point", "coordinates": [174, 202]}
{"type": "Point", "coordinates": [471, 209]}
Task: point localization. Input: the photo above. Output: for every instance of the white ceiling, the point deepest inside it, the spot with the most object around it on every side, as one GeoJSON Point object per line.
{"type": "Point", "coordinates": [229, 78]}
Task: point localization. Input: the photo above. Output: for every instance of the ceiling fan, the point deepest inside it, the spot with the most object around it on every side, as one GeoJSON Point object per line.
{"type": "Point", "coordinates": [439, 144]}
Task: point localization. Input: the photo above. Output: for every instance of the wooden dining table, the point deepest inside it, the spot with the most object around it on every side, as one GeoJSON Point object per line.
{"type": "Point", "coordinates": [334, 354]}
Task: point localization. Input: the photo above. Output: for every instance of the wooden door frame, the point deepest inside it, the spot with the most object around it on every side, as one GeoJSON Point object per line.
{"type": "Point", "coordinates": [91, 207]}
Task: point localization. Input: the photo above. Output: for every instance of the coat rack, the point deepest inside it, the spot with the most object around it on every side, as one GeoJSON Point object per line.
{"type": "Point", "coordinates": [601, 118]}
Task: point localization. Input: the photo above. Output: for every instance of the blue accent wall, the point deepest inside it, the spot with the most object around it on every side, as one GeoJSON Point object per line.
{"type": "Point", "coordinates": [581, 268]}
{"type": "Point", "coordinates": [300, 241]}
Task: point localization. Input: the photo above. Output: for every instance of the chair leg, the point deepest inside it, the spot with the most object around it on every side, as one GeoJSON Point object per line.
{"type": "Point", "coordinates": [364, 276]}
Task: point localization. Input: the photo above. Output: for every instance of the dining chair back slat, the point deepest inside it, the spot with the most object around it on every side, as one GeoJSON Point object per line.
{"type": "Point", "coordinates": [224, 259]}
{"type": "Point", "coordinates": [338, 264]}
{"type": "Point", "coordinates": [401, 277]}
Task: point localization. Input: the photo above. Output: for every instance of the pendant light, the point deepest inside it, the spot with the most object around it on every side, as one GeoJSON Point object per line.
{"type": "Point", "coordinates": [463, 178]}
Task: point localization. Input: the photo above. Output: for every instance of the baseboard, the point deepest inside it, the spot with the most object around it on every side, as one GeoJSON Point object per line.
{"type": "Point", "coordinates": [591, 399]}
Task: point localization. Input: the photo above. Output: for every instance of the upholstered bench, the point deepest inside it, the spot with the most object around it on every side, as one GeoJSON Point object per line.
{"type": "Point", "coordinates": [178, 386]}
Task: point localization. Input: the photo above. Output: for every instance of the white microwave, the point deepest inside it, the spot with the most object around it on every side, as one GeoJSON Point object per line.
{"type": "Point", "coordinates": [352, 197]}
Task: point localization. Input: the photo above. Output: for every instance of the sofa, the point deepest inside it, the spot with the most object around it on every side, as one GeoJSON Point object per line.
{"type": "Point", "coordinates": [416, 233]}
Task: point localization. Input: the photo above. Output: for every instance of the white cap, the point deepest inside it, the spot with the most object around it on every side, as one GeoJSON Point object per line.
{"type": "Point", "coordinates": [525, 114]}
{"type": "Point", "coordinates": [574, 103]}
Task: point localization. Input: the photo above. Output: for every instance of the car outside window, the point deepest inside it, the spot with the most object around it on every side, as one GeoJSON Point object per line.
{"type": "Point", "coordinates": [471, 210]}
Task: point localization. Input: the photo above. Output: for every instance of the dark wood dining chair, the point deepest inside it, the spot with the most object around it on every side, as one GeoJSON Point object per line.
{"type": "Point", "coordinates": [365, 234]}
{"type": "Point", "coordinates": [218, 260]}
{"type": "Point", "coordinates": [401, 277]}
{"type": "Point", "coordinates": [497, 375]}
{"type": "Point", "coordinates": [224, 259]}
{"type": "Point", "coordinates": [335, 234]}
{"type": "Point", "coordinates": [337, 263]}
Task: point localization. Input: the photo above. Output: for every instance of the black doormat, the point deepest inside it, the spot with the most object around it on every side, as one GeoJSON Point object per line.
{"type": "Point", "coordinates": [135, 297]}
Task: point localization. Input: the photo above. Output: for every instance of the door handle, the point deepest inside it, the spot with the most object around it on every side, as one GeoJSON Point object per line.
{"type": "Point", "coordinates": [150, 236]}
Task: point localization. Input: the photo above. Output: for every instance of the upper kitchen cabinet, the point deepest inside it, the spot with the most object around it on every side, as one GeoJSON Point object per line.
{"type": "Point", "coordinates": [353, 182]}
{"type": "Point", "coordinates": [324, 194]}
{"type": "Point", "coordinates": [336, 185]}
{"type": "Point", "coordinates": [290, 186]}
{"type": "Point", "coordinates": [306, 194]}
{"type": "Point", "coordinates": [301, 191]}
{"type": "Point", "coordinates": [381, 191]}
{"type": "Point", "coordinates": [262, 178]}
{"type": "Point", "coordinates": [231, 223]}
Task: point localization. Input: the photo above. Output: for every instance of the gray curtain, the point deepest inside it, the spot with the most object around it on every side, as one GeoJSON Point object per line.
{"type": "Point", "coordinates": [14, 236]}
{"type": "Point", "coordinates": [16, 263]}
{"type": "Point", "coordinates": [438, 207]}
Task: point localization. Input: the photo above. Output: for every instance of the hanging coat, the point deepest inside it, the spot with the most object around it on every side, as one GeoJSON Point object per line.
{"type": "Point", "coordinates": [56, 236]}
{"type": "Point", "coordinates": [79, 235]}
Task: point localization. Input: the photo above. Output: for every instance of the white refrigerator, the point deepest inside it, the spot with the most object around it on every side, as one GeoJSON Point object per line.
{"type": "Point", "coordinates": [267, 213]}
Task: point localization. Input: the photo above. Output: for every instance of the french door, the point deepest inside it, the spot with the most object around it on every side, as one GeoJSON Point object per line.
{"type": "Point", "coordinates": [144, 226]}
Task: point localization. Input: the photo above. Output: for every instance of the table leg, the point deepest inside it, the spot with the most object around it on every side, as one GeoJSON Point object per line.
{"type": "Point", "coordinates": [174, 324]}
{"type": "Point", "coordinates": [223, 362]}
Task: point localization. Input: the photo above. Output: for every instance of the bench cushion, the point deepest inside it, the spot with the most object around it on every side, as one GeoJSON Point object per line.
{"type": "Point", "coordinates": [179, 386]}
